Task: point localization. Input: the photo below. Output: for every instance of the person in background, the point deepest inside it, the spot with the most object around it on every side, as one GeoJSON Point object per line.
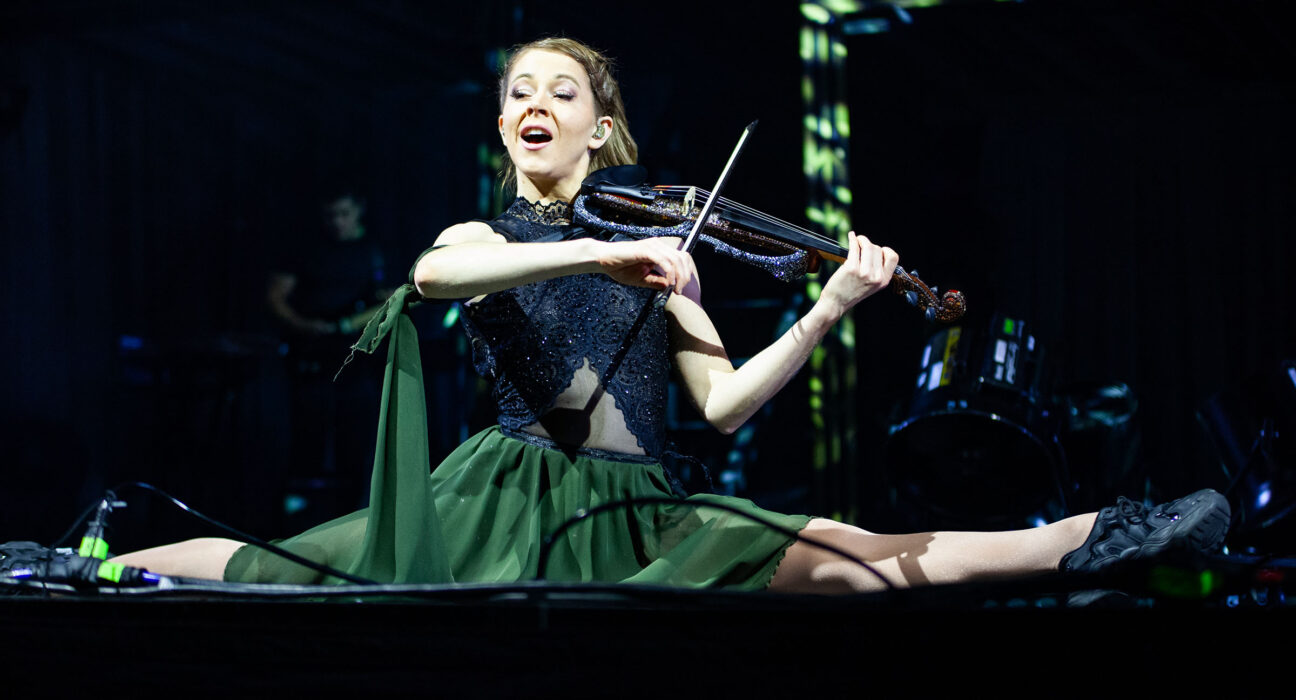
{"type": "Point", "coordinates": [322, 292]}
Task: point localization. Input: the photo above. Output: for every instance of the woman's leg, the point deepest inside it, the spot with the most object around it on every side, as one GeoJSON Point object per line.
{"type": "Point", "coordinates": [335, 543]}
{"type": "Point", "coordinates": [926, 558]}
{"type": "Point", "coordinates": [200, 558]}
{"type": "Point", "coordinates": [1129, 530]}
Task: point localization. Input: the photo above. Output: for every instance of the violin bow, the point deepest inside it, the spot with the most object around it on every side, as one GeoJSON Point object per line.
{"type": "Point", "coordinates": [659, 300]}
{"type": "Point", "coordinates": [714, 198]}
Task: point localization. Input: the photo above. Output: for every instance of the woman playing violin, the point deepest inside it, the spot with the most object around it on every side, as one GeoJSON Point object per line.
{"type": "Point", "coordinates": [551, 306]}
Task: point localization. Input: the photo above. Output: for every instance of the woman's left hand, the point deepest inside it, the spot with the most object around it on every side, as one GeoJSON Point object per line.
{"type": "Point", "coordinates": [868, 268]}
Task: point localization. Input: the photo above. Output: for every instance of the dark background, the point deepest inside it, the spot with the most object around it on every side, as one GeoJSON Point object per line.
{"type": "Point", "coordinates": [1117, 173]}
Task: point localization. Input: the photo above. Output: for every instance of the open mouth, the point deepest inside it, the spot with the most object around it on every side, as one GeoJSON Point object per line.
{"type": "Point", "coordinates": [536, 135]}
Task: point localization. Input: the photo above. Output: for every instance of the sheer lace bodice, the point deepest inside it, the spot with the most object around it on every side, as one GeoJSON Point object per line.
{"type": "Point", "coordinates": [547, 347]}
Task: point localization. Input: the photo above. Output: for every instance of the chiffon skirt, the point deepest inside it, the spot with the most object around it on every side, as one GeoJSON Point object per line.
{"type": "Point", "coordinates": [495, 499]}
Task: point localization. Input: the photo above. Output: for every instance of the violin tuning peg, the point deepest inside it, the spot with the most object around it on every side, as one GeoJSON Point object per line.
{"type": "Point", "coordinates": [912, 297]}
{"type": "Point", "coordinates": [930, 313]}
{"type": "Point", "coordinates": [914, 273]}
{"type": "Point", "coordinates": [935, 290]}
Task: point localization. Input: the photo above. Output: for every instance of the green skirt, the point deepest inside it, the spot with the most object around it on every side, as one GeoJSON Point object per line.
{"type": "Point", "coordinates": [482, 515]}
{"type": "Point", "coordinates": [497, 498]}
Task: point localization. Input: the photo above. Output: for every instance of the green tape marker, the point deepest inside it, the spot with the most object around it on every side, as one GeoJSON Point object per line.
{"type": "Point", "coordinates": [93, 547]}
{"type": "Point", "coordinates": [111, 571]}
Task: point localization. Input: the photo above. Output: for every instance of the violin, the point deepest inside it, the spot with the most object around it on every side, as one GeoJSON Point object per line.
{"type": "Point", "coordinates": [619, 199]}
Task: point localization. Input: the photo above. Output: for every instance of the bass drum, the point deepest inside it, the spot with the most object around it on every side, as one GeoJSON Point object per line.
{"type": "Point", "coordinates": [980, 446]}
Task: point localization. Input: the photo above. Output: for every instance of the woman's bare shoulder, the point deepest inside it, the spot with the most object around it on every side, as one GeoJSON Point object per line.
{"type": "Point", "coordinates": [469, 232]}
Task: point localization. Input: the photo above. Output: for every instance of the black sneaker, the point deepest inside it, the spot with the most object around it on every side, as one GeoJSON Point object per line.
{"type": "Point", "coordinates": [1129, 531]}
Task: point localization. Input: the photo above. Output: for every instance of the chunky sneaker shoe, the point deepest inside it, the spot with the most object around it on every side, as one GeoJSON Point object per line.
{"type": "Point", "coordinates": [1129, 531]}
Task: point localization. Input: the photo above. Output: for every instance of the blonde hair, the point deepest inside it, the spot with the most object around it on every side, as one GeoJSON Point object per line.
{"type": "Point", "coordinates": [620, 147]}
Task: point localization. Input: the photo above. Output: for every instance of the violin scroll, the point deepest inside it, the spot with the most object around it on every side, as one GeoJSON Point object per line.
{"type": "Point", "coordinates": [947, 308]}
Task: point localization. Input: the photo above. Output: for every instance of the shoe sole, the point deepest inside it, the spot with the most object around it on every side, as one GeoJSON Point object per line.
{"type": "Point", "coordinates": [1201, 527]}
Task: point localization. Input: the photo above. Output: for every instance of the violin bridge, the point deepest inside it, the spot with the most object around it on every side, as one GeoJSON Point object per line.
{"type": "Point", "coordinates": [688, 200]}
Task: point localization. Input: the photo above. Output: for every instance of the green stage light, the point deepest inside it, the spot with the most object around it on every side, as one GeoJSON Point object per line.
{"type": "Point", "coordinates": [816, 13]}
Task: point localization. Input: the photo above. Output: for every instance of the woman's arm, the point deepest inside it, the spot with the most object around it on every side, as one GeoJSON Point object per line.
{"type": "Point", "coordinates": [477, 261]}
{"type": "Point", "coordinates": [727, 397]}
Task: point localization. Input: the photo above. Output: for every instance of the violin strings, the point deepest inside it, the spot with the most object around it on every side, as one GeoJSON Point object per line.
{"type": "Point", "coordinates": [738, 206]}
{"type": "Point", "coordinates": [823, 241]}
{"type": "Point", "coordinates": [730, 206]}
{"type": "Point", "coordinates": [756, 214]}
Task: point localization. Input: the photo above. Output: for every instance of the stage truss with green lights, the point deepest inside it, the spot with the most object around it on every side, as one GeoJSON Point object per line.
{"type": "Point", "coordinates": [825, 26]}
{"type": "Point", "coordinates": [832, 364]}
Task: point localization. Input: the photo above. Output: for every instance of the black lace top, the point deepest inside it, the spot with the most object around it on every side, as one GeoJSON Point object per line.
{"type": "Point", "coordinates": [530, 340]}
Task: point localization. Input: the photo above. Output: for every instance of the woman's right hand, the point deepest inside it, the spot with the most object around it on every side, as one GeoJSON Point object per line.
{"type": "Point", "coordinates": [655, 263]}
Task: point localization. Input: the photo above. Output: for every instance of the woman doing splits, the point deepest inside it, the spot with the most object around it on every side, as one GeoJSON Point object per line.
{"type": "Point", "coordinates": [550, 305]}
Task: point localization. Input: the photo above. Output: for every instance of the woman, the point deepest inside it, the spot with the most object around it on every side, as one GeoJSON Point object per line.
{"type": "Point", "coordinates": [551, 305]}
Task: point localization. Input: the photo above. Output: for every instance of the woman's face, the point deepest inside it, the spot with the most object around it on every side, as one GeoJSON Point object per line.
{"type": "Point", "coordinates": [548, 124]}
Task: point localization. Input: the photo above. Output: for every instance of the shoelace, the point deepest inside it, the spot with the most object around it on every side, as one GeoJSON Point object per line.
{"type": "Point", "coordinates": [1137, 513]}
{"type": "Point", "coordinates": [1131, 510]}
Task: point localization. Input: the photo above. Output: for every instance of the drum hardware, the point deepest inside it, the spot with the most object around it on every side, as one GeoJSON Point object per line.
{"type": "Point", "coordinates": [1249, 427]}
{"type": "Point", "coordinates": [1102, 436]}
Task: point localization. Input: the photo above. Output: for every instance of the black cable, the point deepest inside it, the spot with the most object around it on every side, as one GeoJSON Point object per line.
{"type": "Point", "coordinates": [79, 522]}
{"type": "Point", "coordinates": [256, 541]}
{"type": "Point", "coordinates": [582, 514]}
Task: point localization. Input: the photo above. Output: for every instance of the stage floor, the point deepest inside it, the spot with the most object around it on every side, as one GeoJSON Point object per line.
{"type": "Point", "coordinates": [598, 641]}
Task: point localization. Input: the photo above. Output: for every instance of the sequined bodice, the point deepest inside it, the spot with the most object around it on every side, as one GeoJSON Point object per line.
{"type": "Point", "coordinates": [531, 340]}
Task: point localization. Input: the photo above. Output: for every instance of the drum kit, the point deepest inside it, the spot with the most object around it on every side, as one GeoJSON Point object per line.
{"type": "Point", "coordinates": [981, 444]}
{"type": "Point", "coordinates": [986, 442]}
